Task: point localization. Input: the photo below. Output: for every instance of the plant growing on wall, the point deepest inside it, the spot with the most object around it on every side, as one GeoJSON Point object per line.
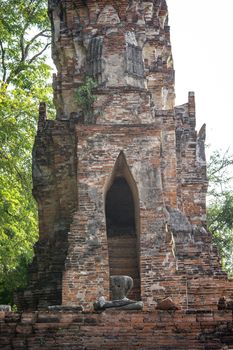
{"type": "Point", "coordinates": [85, 99]}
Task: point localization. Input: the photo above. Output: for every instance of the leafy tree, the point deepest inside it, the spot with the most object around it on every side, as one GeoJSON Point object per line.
{"type": "Point", "coordinates": [220, 208]}
{"type": "Point", "coordinates": [24, 38]}
{"type": "Point", "coordinates": [25, 35]}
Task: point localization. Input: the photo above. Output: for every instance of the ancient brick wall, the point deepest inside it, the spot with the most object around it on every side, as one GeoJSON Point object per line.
{"type": "Point", "coordinates": [130, 46]}
{"type": "Point", "coordinates": [54, 180]}
{"type": "Point", "coordinates": [134, 138]}
{"type": "Point", "coordinates": [160, 330]}
{"type": "Point", "coordinates": [132, 132]}
{"type": "Point", "coordinates": [191, 163]}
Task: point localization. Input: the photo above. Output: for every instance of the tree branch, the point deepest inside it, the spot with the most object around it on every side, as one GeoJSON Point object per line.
{"type": "Point", "coordinates": [21, 44]}
{"type": "Point", "coordinates": [218, 163]}
{"type": "Point", "coordinates": [3, 62]}
{"type": "Point", "coordinates": [39, 53]}
{"type": "Point", "coordinates": [42, 33]}
{"type": "Point", "coordinates": [19, 68]}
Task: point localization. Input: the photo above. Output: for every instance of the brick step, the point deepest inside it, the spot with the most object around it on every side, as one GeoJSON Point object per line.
{"type": "Point", "coordinates": [123, 256]}
{"type": "Point", "coordinates": [123, 260]}
{"type": "Point", "coordinates": [123, 253]}
{"type": "Point", "coordinates": [130, 248]}
{"type": "Point", "coordinates": [124, 263]}
{"type": "Point", "coordinates": [122, 238]}
{"type": "Point", "coordinates": [122, 248]}
{"type": "Point", "coordinates": [119, 261]}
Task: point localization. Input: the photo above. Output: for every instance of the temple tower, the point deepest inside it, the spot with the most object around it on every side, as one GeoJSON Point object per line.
{"type": "Point", "coordinates": [120, 175]}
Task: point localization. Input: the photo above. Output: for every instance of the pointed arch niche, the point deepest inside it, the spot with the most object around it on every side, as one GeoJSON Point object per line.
{"type": "Point", "coordinates": [122, 225]}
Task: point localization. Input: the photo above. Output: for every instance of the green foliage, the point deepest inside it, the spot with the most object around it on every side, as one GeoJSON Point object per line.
{"type": "Point", "coordinates": [85, 98]}
{"type": "Point", "coordinates": [24, 37]}
{"type": "Point", "coordinates": [220, 208]}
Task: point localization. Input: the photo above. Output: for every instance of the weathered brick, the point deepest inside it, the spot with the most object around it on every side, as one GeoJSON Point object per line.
{"type": "Point", "coordinates": [132, 137]}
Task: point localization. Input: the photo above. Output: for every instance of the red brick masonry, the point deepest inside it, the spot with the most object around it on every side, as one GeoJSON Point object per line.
{"type": "Point", "coordinates": [132, 132]}
{"type": "Point", "coordinates": [117, 330]}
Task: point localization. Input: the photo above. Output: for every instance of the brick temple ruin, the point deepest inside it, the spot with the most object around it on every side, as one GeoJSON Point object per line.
{"type": "Point", "coordinates": [121, 184]}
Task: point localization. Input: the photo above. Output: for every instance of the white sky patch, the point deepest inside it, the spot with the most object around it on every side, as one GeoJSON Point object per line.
{"type": "Point", "coordinates": [202, 45]}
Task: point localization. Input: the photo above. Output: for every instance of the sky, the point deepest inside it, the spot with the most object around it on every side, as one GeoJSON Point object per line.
{"type": "Point", "coordinates": [202, 46]}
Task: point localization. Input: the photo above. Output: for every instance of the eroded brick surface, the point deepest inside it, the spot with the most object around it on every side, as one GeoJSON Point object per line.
{"type": "Point", "coordinates": [160, 330]}
{"type": "Point", "coordinates": [133, 131]}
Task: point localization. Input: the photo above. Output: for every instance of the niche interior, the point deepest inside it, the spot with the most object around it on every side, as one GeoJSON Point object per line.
{"type": "Point", "coordinates": [122, 224]}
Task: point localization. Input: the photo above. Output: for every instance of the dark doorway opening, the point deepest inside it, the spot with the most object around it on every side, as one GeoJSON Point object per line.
{"type": "Point", "coordinates": [123, 247]}
{"type": "Point", "coordinates": [120, 209]}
